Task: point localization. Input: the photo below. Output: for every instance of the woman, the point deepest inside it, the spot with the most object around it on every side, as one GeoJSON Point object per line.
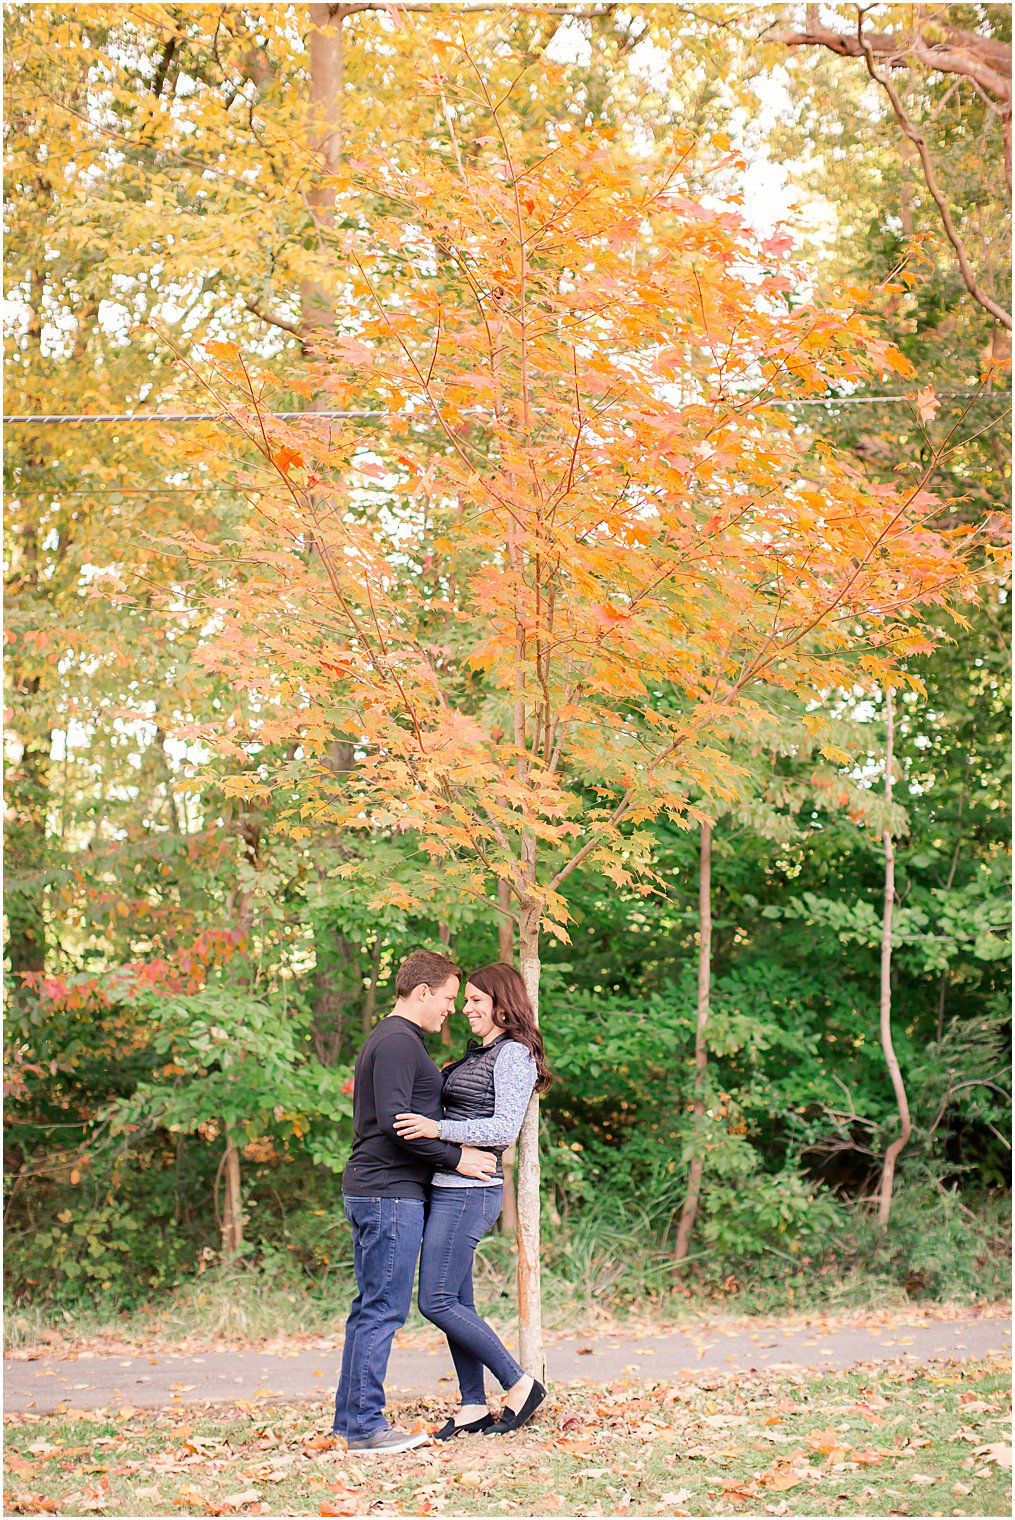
{"type": "Point", "coordinates": [485, 1097]}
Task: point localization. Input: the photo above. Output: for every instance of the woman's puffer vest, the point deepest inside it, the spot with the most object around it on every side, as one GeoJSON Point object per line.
{"type": "Point", "coordinates": [469, 1092]}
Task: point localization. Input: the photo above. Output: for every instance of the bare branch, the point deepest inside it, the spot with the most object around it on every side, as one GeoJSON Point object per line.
{"type": "Point", "coordinates": [982, 59]}
{"type": "Point", "coordinates": [919, 142]}
{"type": "Point", "coordinates": [274, 320]}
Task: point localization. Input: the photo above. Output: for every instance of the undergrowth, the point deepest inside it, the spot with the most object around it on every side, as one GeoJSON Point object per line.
{"type": "Point", "coordinates": [597, 1265]}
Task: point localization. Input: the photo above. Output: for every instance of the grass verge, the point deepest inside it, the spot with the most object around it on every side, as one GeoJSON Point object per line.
{"type": "Point", "coordinates": [874, 1441]}
{"type": "Point", "coordinates": [247, 1307]}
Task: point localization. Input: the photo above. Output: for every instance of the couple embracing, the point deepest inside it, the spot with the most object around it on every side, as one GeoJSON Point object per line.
{"type": "Point", "coordinates": [425, 1182]}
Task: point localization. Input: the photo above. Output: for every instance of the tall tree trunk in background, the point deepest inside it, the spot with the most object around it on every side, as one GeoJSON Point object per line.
{"type": "Point", "coordinates": [232, 1211]}
{"type": "Point", "coordinates": [370, 1001]}
{"type": "Point", "coordinates": [444, 933]}
{"type": "Point", "coordinates": [335, 975]}
{"type": "Point", "coordinates": [327, 81]}
{"type": "Point", "coordinates": [505, 925]}
{"type": "Point", "coordinates": [891, 1061]}
{"type": "Point", "coordinates": [337, 971]}
{"type": "Point", "coordinates": [240, 908]}
{"type": "Point", "coordinates": [25, 847]}
{"type": "Point", "coordinates": [693, 1194]}
{"type": "Point", "coordinates": [27, 782]}
{"type": "Point", "coordinates": [530, 1317]}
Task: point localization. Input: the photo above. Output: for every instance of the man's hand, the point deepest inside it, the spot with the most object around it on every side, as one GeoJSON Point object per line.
{"type": "Point", "coordinates": [474, 1163]}
{"type": "Point", "coordinates": [416, 1127]}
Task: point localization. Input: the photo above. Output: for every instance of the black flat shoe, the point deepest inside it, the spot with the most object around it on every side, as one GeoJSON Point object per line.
{"type": "Point", "coordinates": [473, 1428]}
{"type": "Point", "coordinates": [510, 1421]}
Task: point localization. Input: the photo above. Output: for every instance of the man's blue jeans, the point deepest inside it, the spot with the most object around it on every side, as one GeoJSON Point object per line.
{"type": "Point", "coordinates": [386, 1236]}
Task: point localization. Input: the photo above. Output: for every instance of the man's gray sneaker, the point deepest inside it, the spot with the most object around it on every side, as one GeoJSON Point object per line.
{"type": "Point", "coordinates": [390, 1441]}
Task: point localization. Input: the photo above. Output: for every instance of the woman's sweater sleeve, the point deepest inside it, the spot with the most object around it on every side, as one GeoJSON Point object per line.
{"type": "Point", "coordinates": [514, 1077]}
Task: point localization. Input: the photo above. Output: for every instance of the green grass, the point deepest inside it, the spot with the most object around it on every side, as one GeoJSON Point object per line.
{"type": "Point", "coordinates": [904, 1441]}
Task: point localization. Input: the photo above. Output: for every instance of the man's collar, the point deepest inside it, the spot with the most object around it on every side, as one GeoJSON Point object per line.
{"type": "Point", "coordinates": [403, 1020]}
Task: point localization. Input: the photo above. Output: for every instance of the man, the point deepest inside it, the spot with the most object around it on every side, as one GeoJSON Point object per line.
{"type": "Point", "coordinates": [385, 1187]}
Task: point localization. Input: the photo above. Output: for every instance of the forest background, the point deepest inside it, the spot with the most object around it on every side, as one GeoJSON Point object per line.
{"type": "Point", "coordinates": [189, 976]}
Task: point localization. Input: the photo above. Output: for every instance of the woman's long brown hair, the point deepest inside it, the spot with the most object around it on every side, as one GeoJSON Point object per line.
{"type": "Point", "coordinates": [513, 1013]}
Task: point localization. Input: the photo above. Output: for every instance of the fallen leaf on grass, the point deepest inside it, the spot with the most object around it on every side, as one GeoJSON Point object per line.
{"type": "Point", "coordinates": [740, 1493]}
{"type": "Point", "coordinates": [349, 1506]}
{"type": "Point", "coordinates": [86, 1504]}
{"type": "Point", "coordinates": [781, 1482]}
{"type": "Point", "coordinates": [19, 1465]}
{"type": "Point", "coordinates": [824, 1440]}
{"type": "Point", "coordinates": [32, 1504]}
{"type": "Point", "coordinates": [189, 1495]}
{"type": "Point", "coordinates": [320, 1443]}
{"type": "Point", "coordinates": [238, 1501]}
{"type": "Point", "coordinates": [996, 1452]}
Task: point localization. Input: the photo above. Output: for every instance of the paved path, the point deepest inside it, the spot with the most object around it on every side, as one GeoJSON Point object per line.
{"type": "Point", "coordinates": [91, 1382]}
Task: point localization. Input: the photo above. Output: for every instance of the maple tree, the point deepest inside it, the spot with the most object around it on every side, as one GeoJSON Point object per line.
{"type": "Point", "coordinates": [586, 495]}
{"type": "Point", "coordinates": [192, 167]}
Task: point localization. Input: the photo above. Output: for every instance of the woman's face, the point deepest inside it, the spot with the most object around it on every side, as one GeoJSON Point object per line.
{"type": "Point", "coordinates": [479, 1011]}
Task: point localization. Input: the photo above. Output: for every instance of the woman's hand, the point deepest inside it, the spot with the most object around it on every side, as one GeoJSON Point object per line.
{"type": "Point", "coordinates": [416, 1127]}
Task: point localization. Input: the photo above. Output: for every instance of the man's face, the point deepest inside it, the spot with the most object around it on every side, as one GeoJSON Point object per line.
{"type": "Point", "coordinates": [438, 1005]}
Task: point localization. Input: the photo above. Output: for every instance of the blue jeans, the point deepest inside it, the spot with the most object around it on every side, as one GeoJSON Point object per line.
{"type": "Point", "coordinates": [457, 1221]}
{"type": "Point", "coordinates": [386, 1236]}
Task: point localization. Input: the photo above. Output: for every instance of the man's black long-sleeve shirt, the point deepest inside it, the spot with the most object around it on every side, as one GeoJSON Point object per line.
{"type": "Point", "coordinates": [394, 1075]}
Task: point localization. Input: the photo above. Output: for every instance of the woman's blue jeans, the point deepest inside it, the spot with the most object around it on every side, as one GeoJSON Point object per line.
{"type": "Point", "coordinates": [459, 1217]}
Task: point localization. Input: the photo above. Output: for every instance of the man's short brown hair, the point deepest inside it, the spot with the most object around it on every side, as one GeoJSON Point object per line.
{"type": "Point", "coordinates": [424, 968]}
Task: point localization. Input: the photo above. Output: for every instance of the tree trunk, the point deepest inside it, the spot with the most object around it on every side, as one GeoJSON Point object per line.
{"type": "Point", "coordinates": [530, 1320]}
{"type": "Point", "coordinates": [336, 977]}
{"type": "Point", "coordinates": [327, 81]}
{"type": "Point", "coordinates": [370, 1001]}
{"type": "Point", "coordinates": [691, 1197]}
{"type": "Point", "coordinates": [26, 850]}
{"type": "Point", "coordinates": [505, 926]}
{"type": "Point", "coordinates": [508, 1222]}
{"type": "Point", "coordinates": [905, 1127]}
{"type": "Point", "coordinates": [232, 1213]}
{"type": "Point", "coordinates": [444, 931]}
{"type": "Point", "coordinates": [27, 781]}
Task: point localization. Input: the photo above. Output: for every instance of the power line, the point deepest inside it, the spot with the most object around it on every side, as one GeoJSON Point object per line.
{"type": "Point", "coordinates": [123, 490]}
{"type": "Point", "coordinates": [44, 418]}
